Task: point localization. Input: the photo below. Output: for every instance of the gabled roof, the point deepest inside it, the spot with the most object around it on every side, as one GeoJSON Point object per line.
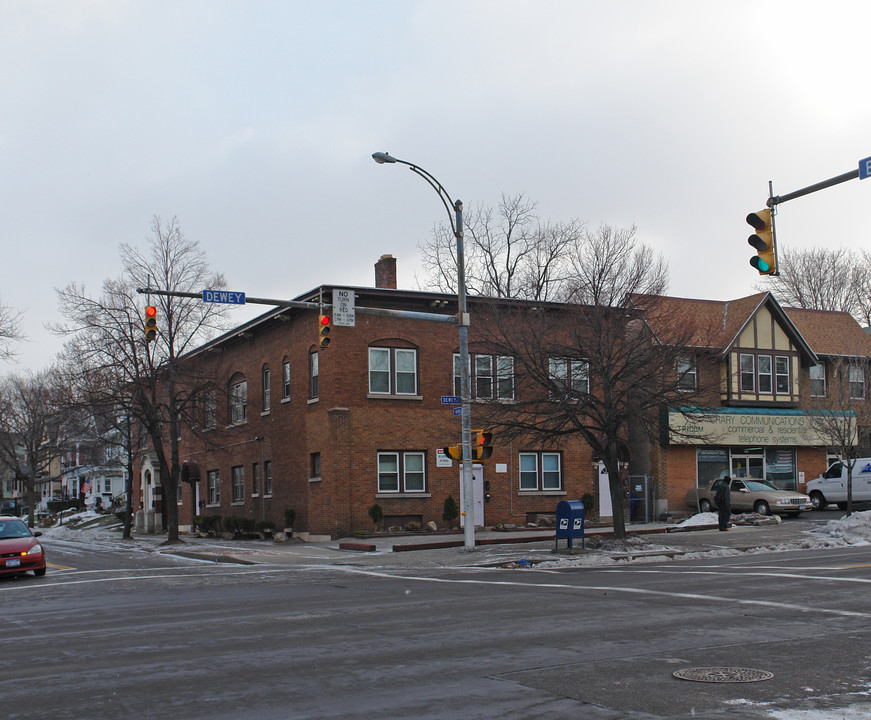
{"type": "Point", "coordinates": [720, 322]}
{"type": "Point", "coordinates": [830, 332]}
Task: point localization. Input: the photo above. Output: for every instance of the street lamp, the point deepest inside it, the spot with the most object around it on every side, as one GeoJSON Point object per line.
{"type": "Point", "coordinates": [456, 220]}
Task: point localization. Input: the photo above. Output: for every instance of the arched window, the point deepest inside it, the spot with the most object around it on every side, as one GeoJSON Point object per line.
{"type": "Point", "coordinates": [237, 399]}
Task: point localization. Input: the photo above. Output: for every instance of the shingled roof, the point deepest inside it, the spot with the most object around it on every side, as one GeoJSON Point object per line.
{"type": "Point", "coordinates": [719, 322]}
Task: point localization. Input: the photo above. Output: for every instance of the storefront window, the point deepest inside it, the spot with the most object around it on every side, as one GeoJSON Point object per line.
{"type": "Point", "coordinates": [780, 468]}
{"type": "Point", "coordinates": [712, 463]}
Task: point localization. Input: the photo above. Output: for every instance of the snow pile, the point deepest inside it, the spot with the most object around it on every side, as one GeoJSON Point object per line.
{"type": "Point", "coordinates": [852, 530]}
{"type": "Point", "coordinates": [707, 518]}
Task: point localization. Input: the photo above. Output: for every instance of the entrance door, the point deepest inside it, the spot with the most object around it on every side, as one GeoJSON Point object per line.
{"type": "Point", "coordinates": [748, 466]}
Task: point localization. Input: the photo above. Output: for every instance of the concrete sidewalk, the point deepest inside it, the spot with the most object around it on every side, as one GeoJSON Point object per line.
{"type": "Point", "coordinates": [494, 547]}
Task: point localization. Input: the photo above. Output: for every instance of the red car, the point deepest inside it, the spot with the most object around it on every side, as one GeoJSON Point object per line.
{"type": "Point", "coordinates": [20, 551]}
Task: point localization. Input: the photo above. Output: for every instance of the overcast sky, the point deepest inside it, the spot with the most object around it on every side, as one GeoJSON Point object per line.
{"type": "Point", "coordinates": [254, 124]}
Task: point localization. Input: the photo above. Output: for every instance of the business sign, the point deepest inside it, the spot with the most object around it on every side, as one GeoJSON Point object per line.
{"type": "Point", "coordinates": [224, 296]}
{"type": "Point", "coordinates": [344, 309]}
{"type": "Point", "coordinates": [745, 428]}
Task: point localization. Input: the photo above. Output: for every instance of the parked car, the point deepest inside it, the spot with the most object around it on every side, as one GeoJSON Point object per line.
{"type": "Point", "coordinates": [831, 486]}
{"type": "Point", "coordinates": [20, 550]}
{"type": "Point", "coordinates": [751, 496]}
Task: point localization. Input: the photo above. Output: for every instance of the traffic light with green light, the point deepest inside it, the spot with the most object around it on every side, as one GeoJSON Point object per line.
{"type": "Point", "coordinates": [324, 331]}
{"type": "Point", "coordinates": [765, 261]}
{"type": "Point", "coordinates": [150, 323]}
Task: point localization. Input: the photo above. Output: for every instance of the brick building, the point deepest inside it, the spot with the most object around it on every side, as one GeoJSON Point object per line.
{"type": "Point", "coordinates": [766, 366]}
{"type": "Point", "coordinates": [330, 432]}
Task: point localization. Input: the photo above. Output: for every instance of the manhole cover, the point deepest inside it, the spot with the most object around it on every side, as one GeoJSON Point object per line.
{"type": "Point", "coordinates": [723, 674]}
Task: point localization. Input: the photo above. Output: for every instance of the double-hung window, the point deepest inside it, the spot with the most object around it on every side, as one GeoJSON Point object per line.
{"type": "Point", "coordinates": [313, 375]}
{"type": "Point", "coordinates": [491, 376]}
{"type": "Point", "coordinates": [570, 376]}
{"type": "Point", "coordinates": [267, 393]}
{"type": "Point", "coordinates": [210, 410]}
{"type": "Point", "coordinates": [238, 482]}
{"type": "Point", "coordinates": [213, 482]}
{"type": "Point", "coordinates": [267, 477]}
{"type": "Point", "coordinates": [686, 374]}
{"type": "Point", "coordinates": [857, 382]}
{"type": "Point", "coordinates": [238, 402]}
{"type": "Point", "coordinates": [747, 373]}
{"type": "Point", "coordinates": [764, 364]}
{"type": "Point", "coordinates": [401, 472]}
{"type": "Point", "coordinates": [285, 380]}
{"type": "Point", "coordinates": [781, 375]}
{"type": "Point", "coordinates": [392, 371]}
{"type": "Point", "coordinates": [540, 471]}
{"type": "Point", "coordinates": [818, 380]}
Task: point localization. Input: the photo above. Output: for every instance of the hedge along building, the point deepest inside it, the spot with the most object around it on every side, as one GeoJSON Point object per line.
{"type": "Point", "coordinates": [329, 433]}
{"type": "Point", "coordinates": [767, 364]}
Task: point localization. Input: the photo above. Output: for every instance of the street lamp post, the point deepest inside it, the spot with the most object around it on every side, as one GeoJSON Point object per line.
{"type": "Point", "coordinates": [455, 215]}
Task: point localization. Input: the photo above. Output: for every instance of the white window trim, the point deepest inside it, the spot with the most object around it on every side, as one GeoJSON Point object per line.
{"type": "Point", "coordinates": [392, 372]}
{"type": "Point", "coordinates": [401, 474]}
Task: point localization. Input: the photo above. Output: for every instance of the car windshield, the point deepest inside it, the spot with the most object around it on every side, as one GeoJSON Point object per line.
{"type": "Point", "coordinates": [759, 486]}
{"type": "Point", "coordinates": [13, 529]}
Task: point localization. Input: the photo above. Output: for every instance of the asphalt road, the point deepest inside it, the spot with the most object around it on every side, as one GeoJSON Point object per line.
{"type": "Point", "coordinates": [114, 634]}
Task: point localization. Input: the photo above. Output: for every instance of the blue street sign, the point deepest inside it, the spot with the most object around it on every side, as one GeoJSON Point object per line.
{"type": "Point", "coordinates": [865, 168]}
{"type": "Point", "coordinates": [224, 296]}
{"type": "Point", "coordinates": [458, 411]}
{"type": "Point", "coordinates": [450, 400]}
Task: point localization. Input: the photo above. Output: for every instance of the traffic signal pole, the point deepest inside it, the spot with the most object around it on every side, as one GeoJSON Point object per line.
{"type": "Point", "coordinates": [777, 199]}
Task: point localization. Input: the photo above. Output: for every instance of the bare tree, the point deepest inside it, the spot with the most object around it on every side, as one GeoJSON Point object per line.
{"type": "Point", "coordinates": [148, 380]}
{"type": "Point", "coordinates": [509, 252]}
{"type": "Point", "coordinates": [824, 279]}
{"type": "Point", "coordinates": [843, 414]}
{"type": "Point", "coordinates": [30, 430]}
{"type": "Point", "coordinates": [593, 367]}
{"type": "Point", "coordinates": [10, 331]}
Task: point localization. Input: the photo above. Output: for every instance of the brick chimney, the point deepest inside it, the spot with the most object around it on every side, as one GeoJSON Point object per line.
{"type": "Point", "coordinates": [385, 272]}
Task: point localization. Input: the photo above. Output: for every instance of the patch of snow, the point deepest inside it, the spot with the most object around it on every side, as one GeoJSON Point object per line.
{"type": "Point", "coordinates": [708, 518]}
{"type": "Point", "coordinates": [852, 530]}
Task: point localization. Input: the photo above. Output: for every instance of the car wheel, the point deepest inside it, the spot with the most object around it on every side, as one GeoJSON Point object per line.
{"type": "Point", "coordinates": [39, 572]}
{"type": "Point", "coordinates": [705, 506]}
{"type": "Point", "coordinates": [761, 507]}
{"type": "Point", "coordinates": [818, 501]}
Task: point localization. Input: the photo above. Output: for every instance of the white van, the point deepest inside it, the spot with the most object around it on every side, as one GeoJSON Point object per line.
{"type": "Point", "coordinates": [831, 486]}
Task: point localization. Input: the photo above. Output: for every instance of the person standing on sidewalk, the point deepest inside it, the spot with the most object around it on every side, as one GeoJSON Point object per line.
{"type": "Point", "coordinates": [723, 499]}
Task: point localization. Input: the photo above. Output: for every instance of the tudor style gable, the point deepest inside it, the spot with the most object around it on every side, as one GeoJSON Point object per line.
{"type": "Point", "coordinates": [761, 364]}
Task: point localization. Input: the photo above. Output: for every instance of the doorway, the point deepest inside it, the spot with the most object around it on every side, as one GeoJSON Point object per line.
{"type": "Point", "coordinates": [748, 464]}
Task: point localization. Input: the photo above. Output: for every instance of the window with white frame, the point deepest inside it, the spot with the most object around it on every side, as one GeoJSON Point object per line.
{"type": "Point", "coordinates": [764, 365]}
{"type": "Point", "coordinates": [401, 472]}
{"type": "Point", "coordinates": [818, 380]}
{"type": "Point", "coordinates": [747, 373]}
{"type": "Point", "coordinates": [313, 375]}
{"type": "Point", "coordinates": [213, 483]}
{"type": "Point", "coordinates": [686, 373]}
{"type": "Point", "coordinates": [237, 401]}
{"type": "Point", "coordinates": [857, 382]}
{"type": "Point", "coordinates": [781, 375]}
{"type": "Point", "coordinates": [490, 376]}
{"type": "Point", "coordinates": [237, 474]}
{"type": "Point", "coordinates": [285, 380]}
{"type": "Point", "coordinates": [266, 391]}
{"type": "Point", "coordinates": [267, 477]}
{"type": "Point", "coordinates": [570, 375]}
{"type": "Point", "coordinates": [540, 471]}
{"type": "Point", "coordinates": [392, 371]}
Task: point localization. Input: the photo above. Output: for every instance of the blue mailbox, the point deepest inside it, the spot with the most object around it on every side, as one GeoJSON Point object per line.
{"type": "Point", "coordinates": [569, 522]}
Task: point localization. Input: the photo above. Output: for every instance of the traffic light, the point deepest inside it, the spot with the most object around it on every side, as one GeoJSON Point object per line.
{"type": "Point", "coordinates": [324, 331]}
{"type": "Point", "coordinates": [150, 323]}
{"type": "Point", "coordinates": [481, 448]}
{"type": "Point", "coordinates": [763, 240]}
{"type": "Point", "coordinates": [455, 452]}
